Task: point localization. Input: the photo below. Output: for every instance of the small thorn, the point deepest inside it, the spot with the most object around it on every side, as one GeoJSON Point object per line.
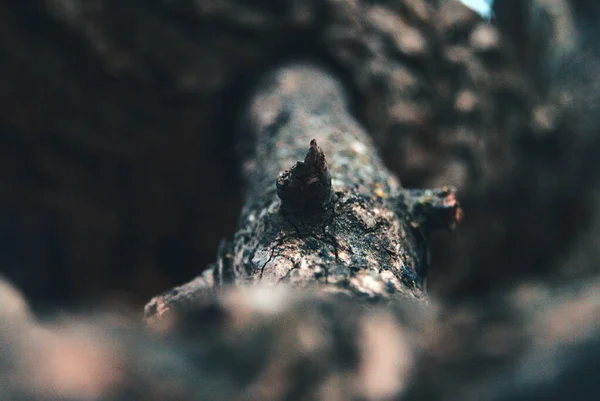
{"type": "Point", "coordinates": [306, 187]}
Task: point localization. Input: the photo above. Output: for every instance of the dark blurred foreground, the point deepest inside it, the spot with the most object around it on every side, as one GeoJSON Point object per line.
{"type": "Point", "coordinates": [276, 344]}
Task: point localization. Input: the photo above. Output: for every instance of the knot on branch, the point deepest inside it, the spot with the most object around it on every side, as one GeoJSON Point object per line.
{"type": "Point", "coordinates": [433, 209]}
{"type": "Point", "coordinates": [306, 187]}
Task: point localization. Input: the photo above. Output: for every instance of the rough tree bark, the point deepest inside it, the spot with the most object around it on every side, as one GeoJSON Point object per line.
{"type": "Point", "coordinates": [342, 220]}
{"type": "Point", "coordinates": [114, 112]}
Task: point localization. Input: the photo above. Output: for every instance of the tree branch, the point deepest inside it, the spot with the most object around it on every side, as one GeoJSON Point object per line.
{"type": "Point", "coordinates": [345, 223]}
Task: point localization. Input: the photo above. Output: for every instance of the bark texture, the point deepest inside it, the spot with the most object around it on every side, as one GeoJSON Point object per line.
{"type": "Point", "coordinates": [117, 168]}
{"type": "Point", "coordinates": [358, 239]}
{"type": "Point", "coordinates": [365, 235]}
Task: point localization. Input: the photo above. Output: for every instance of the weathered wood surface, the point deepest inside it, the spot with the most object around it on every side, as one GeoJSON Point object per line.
{"type": "Point", "coordinates": [365, 236]}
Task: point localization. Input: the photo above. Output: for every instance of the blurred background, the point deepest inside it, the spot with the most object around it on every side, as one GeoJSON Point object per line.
{"type": "Point", "coordinates": [117, 177]}
{"type": "Point", "coordinates": [118, 171]}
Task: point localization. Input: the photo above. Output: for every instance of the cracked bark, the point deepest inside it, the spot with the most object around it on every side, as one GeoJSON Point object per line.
{"type": "Point", "coordinates": [366, 239]}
